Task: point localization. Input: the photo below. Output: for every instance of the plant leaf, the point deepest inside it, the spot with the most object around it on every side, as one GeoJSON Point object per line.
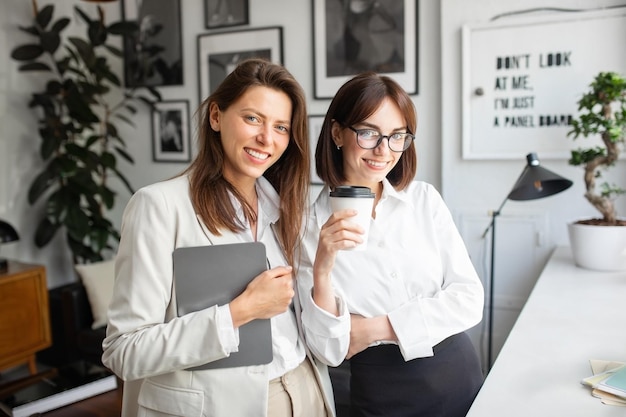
{"type": "Point", "coordinates": [108, 197]}
{"type": "Point", "coordinates": [83, 15]}
{"type": "Point", "coordinates": [124, 155]}
{"type": "Point", "coordinates": [35, 66]}
{"type": "Point", "coordinates": [124, 28]}
{"type": "Point", "coordinates": [97, 33]}
{"type": "Point", "coordinates": [44, 16]}
{"type": "Point", "coordinates": [27, 52]}
{"type": "Point", "coordinates": [45, 232]}
{"type": "Point", "coordinates": [125, 118]}
{"type": "Point", "coordinates": [155, 93]}
{"type": "Point", "coordinates": [108, 160]}
{"type": "Point", "coordinates": [114, 51]}
{"type": "Point", "coordinates": [85, 51]}
{"type": "Point", "coordinates": [124, 180]}
{"type": "Point", "coordinates": [60, 24]}
{"type": "Point", "coordinates": [50, 41]}
{"type": "Point", "coordinates": [39, 186]}
{"type": "Point", "coordinates": [31, 30]}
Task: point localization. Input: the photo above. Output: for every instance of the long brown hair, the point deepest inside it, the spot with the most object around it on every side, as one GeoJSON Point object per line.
{"type": "Point", "coordinates": [355, 101]}
{"type": "Point", "coordinates": [290, 175]}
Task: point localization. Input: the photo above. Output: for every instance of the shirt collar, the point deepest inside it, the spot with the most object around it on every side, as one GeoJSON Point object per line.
{"type": "Point", "coordinates": [269, 211]}
{"type": "Point", "coordinates": [389, 191]}
{"type": "Point", "coordinates": [269, 200]}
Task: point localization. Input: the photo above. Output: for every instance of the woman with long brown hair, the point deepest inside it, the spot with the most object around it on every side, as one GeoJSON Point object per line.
{"type": "Point", "coordinates": [248, 182]}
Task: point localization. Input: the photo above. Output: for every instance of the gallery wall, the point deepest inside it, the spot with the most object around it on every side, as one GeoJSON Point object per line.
{"type": "Point", "coordinates": [19, 142]}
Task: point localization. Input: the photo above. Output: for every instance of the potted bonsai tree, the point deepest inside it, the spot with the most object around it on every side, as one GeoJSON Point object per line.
{"type": "Point", "coordinates": [80, 142]}
{"type": "Point", "coordinates": [603, 115]}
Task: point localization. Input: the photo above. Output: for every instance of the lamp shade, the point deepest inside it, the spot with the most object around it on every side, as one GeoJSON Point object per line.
{"type": "Point", "coordinates": [7, 233]}
{"type": "Point", "coordinates": [537, 182]}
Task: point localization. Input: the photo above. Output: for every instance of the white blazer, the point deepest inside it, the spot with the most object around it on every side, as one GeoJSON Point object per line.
{"type": "Point", "coordinates": [148, 346]}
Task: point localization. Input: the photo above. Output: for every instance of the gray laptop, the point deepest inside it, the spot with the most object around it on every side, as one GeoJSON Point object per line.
{"type": "Point", "coordinates": [205, 276]}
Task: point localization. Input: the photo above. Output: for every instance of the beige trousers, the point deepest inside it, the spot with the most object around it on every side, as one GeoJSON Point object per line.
{"type": "Point", "coordinates": [296, 394]}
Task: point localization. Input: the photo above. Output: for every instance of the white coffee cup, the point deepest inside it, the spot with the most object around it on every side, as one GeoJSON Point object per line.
{"type": "Point", "coordinates": [357, 198]}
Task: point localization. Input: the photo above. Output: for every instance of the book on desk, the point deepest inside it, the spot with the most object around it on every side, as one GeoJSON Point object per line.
{"type": "Point", "coordinates": [614, 383]}
{"type": "Point", "coordinates": [608, 382]}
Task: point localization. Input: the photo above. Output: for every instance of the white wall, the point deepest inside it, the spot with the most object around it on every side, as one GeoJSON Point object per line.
{"type": "Point", "coordinates": [474, 187]}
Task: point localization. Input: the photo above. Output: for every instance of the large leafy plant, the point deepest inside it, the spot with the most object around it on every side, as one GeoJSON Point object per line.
{"type": "Point", "coordinates": [603, 109]}
{"type": "Point", "coordinates": [77, 110]}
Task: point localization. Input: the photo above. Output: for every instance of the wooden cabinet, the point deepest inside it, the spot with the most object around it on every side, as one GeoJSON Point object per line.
{"type": "Point", "coordinates": [24, 315]}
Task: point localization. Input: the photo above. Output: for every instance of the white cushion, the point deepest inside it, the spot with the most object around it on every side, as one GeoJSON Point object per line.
{"type": "Point", "coordinates": [98, 280]}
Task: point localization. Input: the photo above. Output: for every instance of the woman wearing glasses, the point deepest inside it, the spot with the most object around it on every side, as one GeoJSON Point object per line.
{"type": "Point", "coordinates": [397, 310]}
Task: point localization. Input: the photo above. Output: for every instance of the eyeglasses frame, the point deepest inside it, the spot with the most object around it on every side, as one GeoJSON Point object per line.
{"type": "Point", "coordinates": [407, 144]}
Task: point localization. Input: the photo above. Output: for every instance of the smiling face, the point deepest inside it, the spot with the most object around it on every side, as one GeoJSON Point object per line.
{"type": "Point", "coordinates": [254, 131]}
{"type": "Point", "coordinates": [368, 167]}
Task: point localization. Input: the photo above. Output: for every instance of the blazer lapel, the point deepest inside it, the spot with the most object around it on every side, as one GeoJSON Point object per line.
{"type": "Point", "coordinates": [227, 236]}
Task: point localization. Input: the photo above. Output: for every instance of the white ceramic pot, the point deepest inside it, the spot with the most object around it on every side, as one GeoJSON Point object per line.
{"type": "Point", "coordinates": [601, 248]}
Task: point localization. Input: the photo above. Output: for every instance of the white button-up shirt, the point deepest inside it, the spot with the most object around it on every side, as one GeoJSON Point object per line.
{"type": "Point", "coordinates": [286, 346]}
{"type": "Point", "coordinates": [416, 270]}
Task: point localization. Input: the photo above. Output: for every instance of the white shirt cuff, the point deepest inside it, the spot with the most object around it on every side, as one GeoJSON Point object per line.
{"type": "Point", "coordinates": [229, 336]}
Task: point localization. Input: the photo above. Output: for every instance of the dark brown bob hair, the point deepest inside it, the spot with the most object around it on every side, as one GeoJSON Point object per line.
{"type": "Point", "coordinates": [355, 101]}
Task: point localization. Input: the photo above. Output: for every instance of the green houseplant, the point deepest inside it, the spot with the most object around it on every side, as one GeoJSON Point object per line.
{"type": "Point", "coordinates": [77, 110]}
{"type": "Point", "coordinates": [603, 115]}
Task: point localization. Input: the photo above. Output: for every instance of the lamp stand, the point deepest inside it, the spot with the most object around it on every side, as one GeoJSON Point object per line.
{"type": "Point", "coordinates": [492, 226]}
{"type": "Point", "coordinates": [534, 182]}
{"type": "Point", "coordinates": [491, 279]}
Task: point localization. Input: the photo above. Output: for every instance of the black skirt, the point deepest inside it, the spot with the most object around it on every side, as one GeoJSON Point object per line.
{"type": "Point", "coordinates": [383, 384]}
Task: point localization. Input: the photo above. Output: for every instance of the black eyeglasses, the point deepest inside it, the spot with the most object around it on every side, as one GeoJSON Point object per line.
{"type": "Point", "coordinates": [370, 139]}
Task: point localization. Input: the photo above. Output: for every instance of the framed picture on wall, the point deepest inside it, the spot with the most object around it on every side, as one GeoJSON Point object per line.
{"type": "Point", "coordinates": [224, 13]}
{"type": "Point", "coordinates": [370, 35]}
{"type": "Point", "coordinates": [154, 56]}
{"type": "Point", "coordinates": [170, 131]}
{"type": "Point", "coordinates": [315, 127]}
{"type": "Point", "coordinates": [219, 53]}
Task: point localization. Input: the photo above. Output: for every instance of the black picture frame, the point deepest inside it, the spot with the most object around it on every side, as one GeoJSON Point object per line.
{"type": "Point", "coordinates": [171, 140]}
{"type": "Point", "coordinates": [220, 52]}
{"type": "Point", "coordinates": [315, 127]}
{"type": "Point", "coordinates": [225, 13]}
{"type": "Point", "coordinates": [380, 36]}
{"type": "Point", "coordinates": [154, 57]}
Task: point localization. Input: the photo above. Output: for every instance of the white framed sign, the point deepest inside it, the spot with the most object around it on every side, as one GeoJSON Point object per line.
{"type": "Point", "coordinates": [522, 79]}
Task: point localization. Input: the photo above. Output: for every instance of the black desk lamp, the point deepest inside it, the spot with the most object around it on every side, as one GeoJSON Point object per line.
{"type": "Point", "coordinates": [7, 234]}
{"type": "Point", "coordinates": [534, 182]}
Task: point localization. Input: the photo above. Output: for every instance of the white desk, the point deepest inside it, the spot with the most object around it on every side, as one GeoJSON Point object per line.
{"type": "Point", "coordinates": [571, 316]}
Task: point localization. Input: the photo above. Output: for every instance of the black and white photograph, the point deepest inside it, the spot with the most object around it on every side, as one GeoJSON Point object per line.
{"type": "Point", "coordinates": [315, 128]}
{"type": "Point", "coordinates": [170, 131]}
{"type": "Point", "coordinates": [353, 36]}
{"type": "Point", "coordinates": [219, 53]}
{"type": "Point", "coordinates": [224, 13]}
{"type": "Point", "coordinates": [154, 56]}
